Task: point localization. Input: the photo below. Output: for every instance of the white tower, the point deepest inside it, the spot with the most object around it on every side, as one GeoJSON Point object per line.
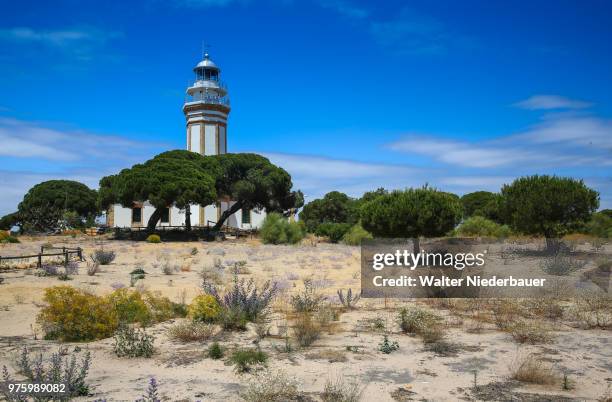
{"type": "Point", "coordinates": [206, 109]}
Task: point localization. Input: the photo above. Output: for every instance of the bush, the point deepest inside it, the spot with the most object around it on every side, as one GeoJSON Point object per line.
{"type": "Point", "coordinates": [276, 229]}
{"type": "Point", "coordinates": [130, 342]}
{"type": "Point", "coordinates": [479, 226]}
{"type": "Point", "coordinates": [530, 332]}
{"type": "Point", "coordinates": [161, 308]}
{"type": "Point", "coordinates": [130, 306]}
{"type": "Point", "coordinates": [388, 347]}
{"type": "Point", "coordinates": [306, 329]}
{"type": "Point", "coordinates": [416, 320]}
{"type": "Point", "coordinates": [204, 308]}
{"type": "Point", "coordinates": [334, 231]}
{"type": "Point", "coordinates": [338, 390]}
{"type": "Point", "coordinates": [57, 371]}
{"type": "Point", "coordinates": [190, 331]}
{"type": "Point", "coordinates": [349, 301]}
{"type": "Point", "coordinates": [215, 351]}
{"type": "Point", "coordinates": [153, 239]}
{"type": "Point", "coordinates": [74, 315]}
{"type": "Point", "coordinates": [245, 359]}
{"type": "Point", "coordinates": [7, 238]}
{"type": "Point", "coordinates": [268, 386]}
{"type": "Point", "coordinates": [560, 264]}
{"type": "Point", "coordinates": [308, 300]}
{"type": "Point", "coordinates": [356, 235]}
{"type": "Point", "coordinates": [600, 225]}
{"type": "Point", "coordinates": [103, 257]}
{"type": "Point", "coordinates": [243, 302]}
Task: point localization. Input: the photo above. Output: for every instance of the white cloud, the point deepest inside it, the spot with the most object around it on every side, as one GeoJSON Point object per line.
{"type": "Point", "coordinates": [549, 102]}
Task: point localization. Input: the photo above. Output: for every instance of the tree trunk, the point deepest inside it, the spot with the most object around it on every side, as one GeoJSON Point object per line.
{"type": "Point", "coordinates": [188, 218]}
{"type": "Point", "coordinates": [552, 245]}
{"type": "Point", "coordinates": [155, 217]}
{"type": "Point", "coordinates": [226, 214]}
{"type": "Point", "coordinates": [416, 245]}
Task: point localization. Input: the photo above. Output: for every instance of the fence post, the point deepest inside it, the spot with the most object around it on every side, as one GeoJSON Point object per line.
{"type": "Point", "coordinates": [65, 257]}
{"type": "Point", "coordinates": [80, 254]}
{"type": "Point", "coordinates": [39, 263]}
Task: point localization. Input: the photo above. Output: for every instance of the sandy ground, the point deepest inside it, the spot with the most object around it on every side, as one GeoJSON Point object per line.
{"type": "Point", "coordinates": [185, 373]}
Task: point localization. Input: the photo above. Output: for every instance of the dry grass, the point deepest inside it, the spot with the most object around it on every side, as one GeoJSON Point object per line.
{"type": "Point", "coordinates": [189, 331]}
{"type": "Point", "coordinates": [531, 370]}
{"type": "Point", "coordinates": [530, 332]}
{"type": "Point", "coordinates": [306, 329]}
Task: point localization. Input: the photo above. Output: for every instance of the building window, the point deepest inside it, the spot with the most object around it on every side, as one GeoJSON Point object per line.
{"type": "Point", "coordinates": [165, 216]}
{"type": "Point", "coordinates": [137, 215]}
{"type": "Point", "coordinates": [246, 216]}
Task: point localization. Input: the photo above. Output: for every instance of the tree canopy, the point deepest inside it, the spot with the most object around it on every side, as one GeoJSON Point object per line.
{"type": "Point", "coordinates": [550, 206]}
{"type": "Point", "coordinates": [176, 177]}
{"type": "Point", "coordinates": [411, 213]}
{"type": "Point", "coordinates": [334, 207]}
{"type": "Point", "coordinates": [482, 203]}
{"type": "Point", "coordinates": [253, 182]}
{"type": "Point", "coordinates": [9, 220]}
{"type": "Point", "coordinates": [45, 205]}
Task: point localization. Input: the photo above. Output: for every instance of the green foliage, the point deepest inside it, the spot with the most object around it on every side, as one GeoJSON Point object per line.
{"type": "Point", "coordinates": [130, 342]}
{"type": "Point", "coordinates": [178, 178]}
{"type": "Point", "coordinates": [307, 329]}
{"type": "Point", "coordinates": [334, 231]}
{"type": "Point", "coordinates": [334, 207]}
{"type": "Point", "coordinates": [56, 370]}
{"type": "Point", "coordinates": [276, 229]}
{"type": "Point", "coordinates": [130, 306]}
{"type": "Point", "coordinates": [245, 359]}
{"type": "Point", "coordinates": [388, 347]}
{"type": "Point", "coordinates": [482, 227]}
{"type": "Point", "coordinates": [74, 315]}
{"type": "Point", "coordinates": [600, 224]}
{"type": "Point", "coordinates": [411, 213]}
{"type": "Point", "coordinates": [215, 351]}
{"type": "Point", "coordinates": [44, 205]}
{"type": "Point", "coordinates": [7, 238]}
{"type": "Point", "coordinates": [204, 308]}
{"type": "Point", "coordinates": [153, 239]}
{"type": "Point", "coordinates": [253, 182]}
{"type": "Point", "coordinates": [356, 235]}
{"type": "Point", "coordinates": [416, 320]}
{"type": "Point", "coordinates": [482, 203]}
{"type": "Point", "coordinates": [8, 221]}
{"type": "Point", "coordinates": [308, 300]}
{"type": "Point", "coordinates": [549, 206]}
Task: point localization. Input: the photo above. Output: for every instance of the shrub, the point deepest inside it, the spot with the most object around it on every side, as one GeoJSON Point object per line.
{"type": "Point", "coordinates": [338, 390]}
{"type": "Point", "coordinates": [93, 268]}
{"type": "Point", "coordinates": [161, 308]}
{"type": "Point", "coordinates": [560, 264]}
{"type": "Point", "coordinates": [74, 315]}
{"type": "Point", "coordinates": [482, 227]}
{"type": "Point", "coordinates": [349, 301]}
{"type": "Point", "coordinates": [153, 239]}
{"type": "Point", "coordinates": [190, 331]}
{"type": "Point", "coordinates": [103, 257]}
{"type": "Point", "coordinates": [416, 320]}
{"type": "Point", "coordinates": [530, 332]}
{"type": "Point", "coordinates": [7, 238]}
{"type": "Point", "coordinates": [130, 306]}
{"type": "Point", "coordinates": [334, 231]}
{"type": "Point", "coordinates": [308, 300]}
{"type": "Point", "coordinates": [130, 342]}
{"type": "Point", "coordinates": [243, 302]}
{"type": "Point", "coordinates": [306, 329]}
{"type": "Point", "coordinates": [204, 308]}
{"type": "Point", "coordinates": [387, 346]}
{"type": "Point", "coordinates": [215, 351]}
{"type": "Point", "coordinates": [276, 229]}
{"type": "Point", "coordinates": [56, 370]}
{"type": "Point", "coordinates": [593, 310]}
{"type": "Point", "coordinates": [532, 370]}
{"type": "Point", "coordinates": [245, 359]}
{"type": "Point", "coordinates": [269, 386]}
{"type": "Point", "coordinates": [356, 235]}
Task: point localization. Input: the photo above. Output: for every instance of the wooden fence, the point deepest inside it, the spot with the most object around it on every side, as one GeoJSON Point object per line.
{"type": "Point", "coordinates": [66, 252]}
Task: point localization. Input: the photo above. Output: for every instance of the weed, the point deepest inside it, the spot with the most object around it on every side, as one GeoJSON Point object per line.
{"type": "Point", "coordinates": [387, 346]}
{"type": "Point", "coordinates": [306, 329]}
{"type": "Point", "coordinates": [246, 359]}
{"type": "Point", "coordinates": [530, 332]}
{"type": "Point", "coordinates": [416, 320]}
{"type": "Point", "coordinates": [308, 300]}
{"type": "Point", "coordinates": [271, 386]}
{"type": "Point", "coordinates": [153, 239]}
{"type": "Point", "coordinates": [190, 331]}
{"type": "Point", "coordinates": [339, 390]}
{"type": "Point", "coordinates": [533, 371]}
{"type": "Point", "coordinates": [130, 342]}
{"type": "Point", "coordinates": [103, 257]}
{"type": "Point", "coordinates": [349, 301]}
{"type": "Point", "coordinates": [215, 351]}
{"type": "Point", "coordinates": [204, 308]}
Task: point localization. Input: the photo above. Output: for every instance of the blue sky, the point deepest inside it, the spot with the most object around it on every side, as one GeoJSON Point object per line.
{"type": "Point", "coordinates": [346, 95]}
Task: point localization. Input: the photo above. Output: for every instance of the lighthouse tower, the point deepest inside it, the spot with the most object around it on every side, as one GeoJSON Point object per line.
{"type": "Point", "coordinates": [206, 110]}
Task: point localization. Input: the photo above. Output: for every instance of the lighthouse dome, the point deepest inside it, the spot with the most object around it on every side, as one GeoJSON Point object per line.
{"type": "Point", "coordinates": [207, 63]}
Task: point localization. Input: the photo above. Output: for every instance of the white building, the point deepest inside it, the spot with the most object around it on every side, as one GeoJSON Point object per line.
{"type": "Point", "coordinates": [206, 110]}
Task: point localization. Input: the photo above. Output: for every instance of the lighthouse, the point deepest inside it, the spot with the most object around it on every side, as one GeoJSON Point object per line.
{"type": "Point", "coordinates": [206, 110]}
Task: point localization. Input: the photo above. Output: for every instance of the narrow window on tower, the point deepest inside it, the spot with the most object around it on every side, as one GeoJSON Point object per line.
{"type": "Point", "coordinates": [246, 216]}
{"type": "Point", "coordinates": [165, 217]}
{"type": "Point", "coordinates": [137, 215]}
